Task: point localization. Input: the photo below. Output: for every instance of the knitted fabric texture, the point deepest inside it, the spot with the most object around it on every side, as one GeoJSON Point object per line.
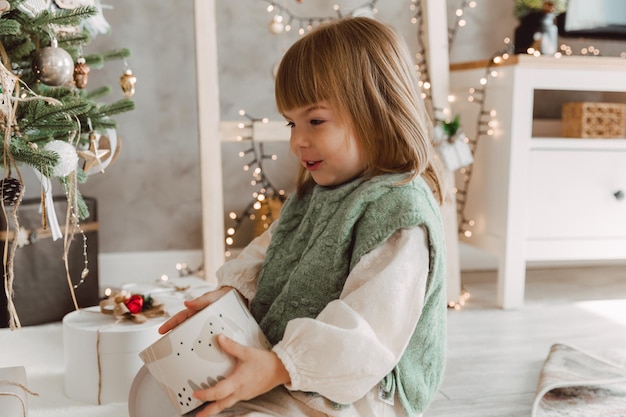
{"type": "Point", "coordinates": [319, 239]}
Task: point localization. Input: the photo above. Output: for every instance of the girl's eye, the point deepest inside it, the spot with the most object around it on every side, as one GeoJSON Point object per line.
{"type": "Point", "coordinates": [290, 124]}
{"type": "Point", "coordinates": [316, 122]}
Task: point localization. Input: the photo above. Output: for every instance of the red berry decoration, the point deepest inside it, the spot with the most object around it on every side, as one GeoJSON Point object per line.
{"type": "Point", "coordinates": [134, 303]}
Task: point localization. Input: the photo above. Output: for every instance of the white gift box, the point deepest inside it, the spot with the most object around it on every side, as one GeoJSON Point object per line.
{"type": "Point", "coordinates": [189, 358]}
{"type": "Point", "coordinates": [101, 355]}
{"type": "Point", "coordinates": [12, 394]}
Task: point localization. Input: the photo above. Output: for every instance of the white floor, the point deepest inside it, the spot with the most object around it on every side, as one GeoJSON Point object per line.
{"type": "Point", "coordinates": [494, 356]}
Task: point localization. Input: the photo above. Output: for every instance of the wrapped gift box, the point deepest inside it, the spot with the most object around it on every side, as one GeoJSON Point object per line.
{"type": "Point", "coordinates": [41, 292]}
{"type": "Point", "coordinates": [189, 358]}
{"type": "Point", "coordinates": [102, 354]}
{"type": "Point", "coordinates": [13, 401]}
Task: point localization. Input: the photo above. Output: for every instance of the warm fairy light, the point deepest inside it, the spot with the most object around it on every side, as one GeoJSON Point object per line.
{"type": "Point", "coordinates": [261, 197]}
{"type": "Point", "coordinates": [242, 112]}
{"type": "Point", "coordinates": [257, 205]}
{"type": "Point", "coordinates": [483, 81]}
{"type": "Point", "coordinates": [494, 73]}
{"type": "Point", "coordinates": [459, 12]}
{"type": "Point", "coordinates": [493, 113]}
{"type": "Point", "coordinates": [241, 125]}
{"type": "Point", "coordinates": [270, 8]}
{"type": "Point", "coordinates": [229, 241]}
{"type": "Point", "coordinates": [108, 292]}
{"type": "Point", "coordinates": [462, 23]}
{"type": "Point", "coordinates": [232, 215]}
{"type": "Point", "coordinates": [467, 233]}
{"type": "Point", "coordinates": [230, 231]}
{"type": "Point", "coordinates": [472, 4]}
{"type": "Point", "coordinates": [505, 56]}
{"type": "Point", "coordinates": [426, 85]}
{"type": "Point", "coordinates": [497, 60]}
{"type": "Point", "coordinates": [164, 278]}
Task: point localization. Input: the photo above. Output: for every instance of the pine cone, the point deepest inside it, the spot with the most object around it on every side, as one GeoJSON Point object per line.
{"type": "Point", "coordinates": [10, 190]}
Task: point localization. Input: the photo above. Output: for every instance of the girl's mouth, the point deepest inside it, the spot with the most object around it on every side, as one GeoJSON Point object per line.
{"type": "Point", "coordinates": [312, 165]}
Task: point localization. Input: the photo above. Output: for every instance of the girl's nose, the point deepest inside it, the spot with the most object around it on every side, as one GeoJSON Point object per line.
{"type": "Point", "coordinates": [297, 139]}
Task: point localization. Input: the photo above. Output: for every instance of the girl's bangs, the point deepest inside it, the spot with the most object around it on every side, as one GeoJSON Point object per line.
{"type": "Point", "coordinates": [301, 80]}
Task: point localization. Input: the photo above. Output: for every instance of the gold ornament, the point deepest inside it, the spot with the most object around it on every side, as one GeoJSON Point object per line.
{"type": "Point", "coordinates": [81, 73]}
{"type": "Point", "coordinates": [127, 82]}
{"type": "Point", "coordinates": [94, 155]}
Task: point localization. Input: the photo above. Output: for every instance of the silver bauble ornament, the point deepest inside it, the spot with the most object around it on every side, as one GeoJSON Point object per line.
{"type": "Point", "coordinates": [53, 66]}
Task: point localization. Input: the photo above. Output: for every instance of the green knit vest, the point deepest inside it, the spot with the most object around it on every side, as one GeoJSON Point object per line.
{"type": "Point", "coordinates": [322, 235]}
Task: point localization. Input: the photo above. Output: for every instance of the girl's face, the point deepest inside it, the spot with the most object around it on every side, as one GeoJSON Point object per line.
{"type": "Point", "coordinates": [324, 145]}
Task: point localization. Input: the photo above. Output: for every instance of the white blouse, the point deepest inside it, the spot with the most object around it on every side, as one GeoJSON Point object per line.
{"type": "Point", "coordinates": [357, 339]}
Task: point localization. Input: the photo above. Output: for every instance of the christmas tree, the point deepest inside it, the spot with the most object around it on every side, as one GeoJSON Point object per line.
{"type": "Point", "coordinates": [50, 121]}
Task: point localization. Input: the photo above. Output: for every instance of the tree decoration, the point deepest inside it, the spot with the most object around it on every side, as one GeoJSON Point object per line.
{"type": "Point", "coordinates": [264, 205]}
{"type": "Point", "coordinates": [11, 190]}
{"type": "Point", "coordinates": [127, 82]}
{"type": "Point", "coordinates": [81, 73]}
{"type": "Point", "coordinates": [67, 158]}
{"type": "Point", "coordinates": [52, 65]}
{"type": "Point", "coordinates": [45, 109]}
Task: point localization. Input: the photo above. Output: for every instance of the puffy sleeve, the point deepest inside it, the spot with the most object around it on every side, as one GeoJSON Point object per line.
{"type": "Point", "coordinates": [359, 338]}
{"type": "Point", "coordinates": [243, 271]}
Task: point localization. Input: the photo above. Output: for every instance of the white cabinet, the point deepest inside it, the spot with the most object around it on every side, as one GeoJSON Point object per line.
{"type": "Point", "coordinates": [533, 195]}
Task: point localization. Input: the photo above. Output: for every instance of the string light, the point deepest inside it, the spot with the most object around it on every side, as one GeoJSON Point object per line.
{"type": "Point", "coordinates": [284, 20]}
{"type": "Point", "coordinates": [266, 193]}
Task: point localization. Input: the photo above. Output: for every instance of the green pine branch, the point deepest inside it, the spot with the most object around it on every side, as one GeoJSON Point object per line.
{"type": "Point", "coordinates": [9, 27]}
{"type": "Point", "coordinates": [63, 17]}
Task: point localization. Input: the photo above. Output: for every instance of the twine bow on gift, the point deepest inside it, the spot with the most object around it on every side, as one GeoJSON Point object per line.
{"type": "Point", "coordinates": [137, 308]}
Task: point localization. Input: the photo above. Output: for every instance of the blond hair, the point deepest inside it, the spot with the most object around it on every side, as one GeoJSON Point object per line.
{"type": "Point", "coordinates": [364, 70]}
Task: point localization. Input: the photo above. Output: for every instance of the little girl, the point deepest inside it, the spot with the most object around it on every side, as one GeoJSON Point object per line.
{"type": "Point", "coordinates": [348, 285]}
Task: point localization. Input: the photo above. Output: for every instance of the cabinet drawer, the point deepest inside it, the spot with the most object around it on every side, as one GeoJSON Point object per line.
{"type": "Point", "coordinates": [572, 194]}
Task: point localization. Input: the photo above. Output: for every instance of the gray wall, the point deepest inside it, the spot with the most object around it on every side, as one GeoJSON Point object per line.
{"type": "Point", "coordinates": [149, 200]}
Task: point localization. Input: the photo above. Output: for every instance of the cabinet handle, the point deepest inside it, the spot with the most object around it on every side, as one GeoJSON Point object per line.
{"type": "Point", "coordinates": [619, 195]}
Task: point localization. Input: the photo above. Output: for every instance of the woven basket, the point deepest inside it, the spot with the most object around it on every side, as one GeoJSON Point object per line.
{"type": "Point", "coordinates": [593, 120]}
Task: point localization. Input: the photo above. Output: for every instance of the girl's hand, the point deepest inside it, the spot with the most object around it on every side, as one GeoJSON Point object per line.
{"type": "Point", "coordinates": [193, 306]}
{"type": "Point", "coordinates": [256, 372]}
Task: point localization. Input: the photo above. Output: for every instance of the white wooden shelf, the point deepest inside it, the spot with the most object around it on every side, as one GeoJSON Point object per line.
{"type": "Point", "coordinates": [536, 196]}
